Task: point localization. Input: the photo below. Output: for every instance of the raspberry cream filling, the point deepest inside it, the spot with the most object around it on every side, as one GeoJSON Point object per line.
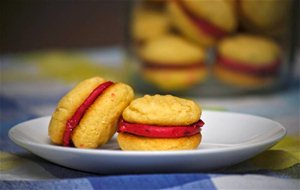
{"type": "Point", "coordinates": [172, 66]}
{"type": "Point", "coordinates": [202, 24]}
{"type": "Point", "coordinates": [159, 131]}
{"type": "Point", "coordinates": [73, 122]}
{"type": "Point", "coordinates": [248, 67]}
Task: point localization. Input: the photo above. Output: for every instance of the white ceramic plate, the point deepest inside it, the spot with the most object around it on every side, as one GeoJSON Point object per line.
{"type": "Point", "coordinates": [228, 138]}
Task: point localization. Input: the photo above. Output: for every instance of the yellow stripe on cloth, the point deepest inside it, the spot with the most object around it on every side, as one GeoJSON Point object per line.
{"type": "Point", "coordinates": [283, 155]}
{"type": "Point", "coordinates": [9, 161]}
{"type": "Point", "coordinates": [15, 167]}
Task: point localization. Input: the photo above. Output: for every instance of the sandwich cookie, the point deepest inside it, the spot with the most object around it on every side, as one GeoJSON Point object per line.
{"type": "Point", "coordinates": [172, 63]}
{"type": "Point", "coordinates": [266, 17]}
{"type": "Point", "coordinates": [204, 22]}
{"type": "Point", "coordinates": [86, 116]}
{"type": "Point", "coordinates": [247, 61]}
{"type": "Point", "coordinates": [149, 25]}
{"type": "Point", "coordinates": [160, 123]}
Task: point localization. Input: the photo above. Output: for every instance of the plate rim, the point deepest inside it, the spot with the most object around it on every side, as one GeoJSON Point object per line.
{"type": "Point", "coordinates": [99, 151]}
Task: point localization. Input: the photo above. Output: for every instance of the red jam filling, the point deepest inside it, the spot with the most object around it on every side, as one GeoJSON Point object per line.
{"type": "Point", "coordinates": [158, 131]}
{"type": "Point", "coordinates": [172, 66]}
{"type": "Point", "coordinates": [248, 67]}
{"type": "Point", "coordinates": [75, 119]}
{"type": "Point", "coordinates": [202, 24]}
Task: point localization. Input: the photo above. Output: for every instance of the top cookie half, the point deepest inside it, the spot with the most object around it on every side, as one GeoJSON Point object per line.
{"type": "Point", "coordinates": [162, 110]}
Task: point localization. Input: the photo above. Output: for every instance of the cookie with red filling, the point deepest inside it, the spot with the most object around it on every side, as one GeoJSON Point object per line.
{"type": "Point", "coordinates": [144, 22]}
{"type": "Point", "coordinates": [172, 63]}
{"type": "Point", "coordinates": [266, 17]}
{"type": "Point", "coordinates": [204, 22]}
{"type": "Point", "coordinates": [86, 116]}
{"type": "Point", "coordinates": [247, 61]}
{"type": "Point", "coordinates": [160, 122]}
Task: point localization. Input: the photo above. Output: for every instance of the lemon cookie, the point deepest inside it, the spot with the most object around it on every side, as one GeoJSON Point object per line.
{"type": "Point", "coordinates": [247, 61]}
{"type": "Point", "coordinates": [160, 122]}
{"type": "Point", "coordinates": [204, 22]}
{"type": "Point", "coordinates": [270, 17]}
{"type": "Point", "coordinates": [173, 63]}
{"type": "Point", "coordinates": [86, 116]}
{"type": "Point", "coordinates": [148, 25]}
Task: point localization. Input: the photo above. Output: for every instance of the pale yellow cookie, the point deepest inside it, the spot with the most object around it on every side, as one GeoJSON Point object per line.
{"type": "Point", "coordinates": [186, 27]}
{"type": "Point", "coordinates": [149, 25]}
{"type": "Point", "coordinates": [251, 49]}
{"type": "Point", "coordinates": [162, 110]}
{"type": "Point", "coordinates": [68, 105]}
{"type": "Point", "coordinates": [172, 50]}
{"type": "Point", "coordinates": [220, 13]}
{"type": "Point", "coordinates": [264, 14]}
{"type": "Point", "coordinates": [132, 142]}
{"type": "Point", "coordinates": [99, 122]}
{"type": "Point", "coordinates": [97, 125]}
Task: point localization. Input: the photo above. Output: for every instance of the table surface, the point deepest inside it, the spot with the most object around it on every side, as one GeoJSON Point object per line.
{"type": "Point", "coordinates": [32, 83]}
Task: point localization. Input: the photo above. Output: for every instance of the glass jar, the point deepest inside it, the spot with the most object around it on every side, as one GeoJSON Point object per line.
{"type": "Point", "coordinates": [220, 47]}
